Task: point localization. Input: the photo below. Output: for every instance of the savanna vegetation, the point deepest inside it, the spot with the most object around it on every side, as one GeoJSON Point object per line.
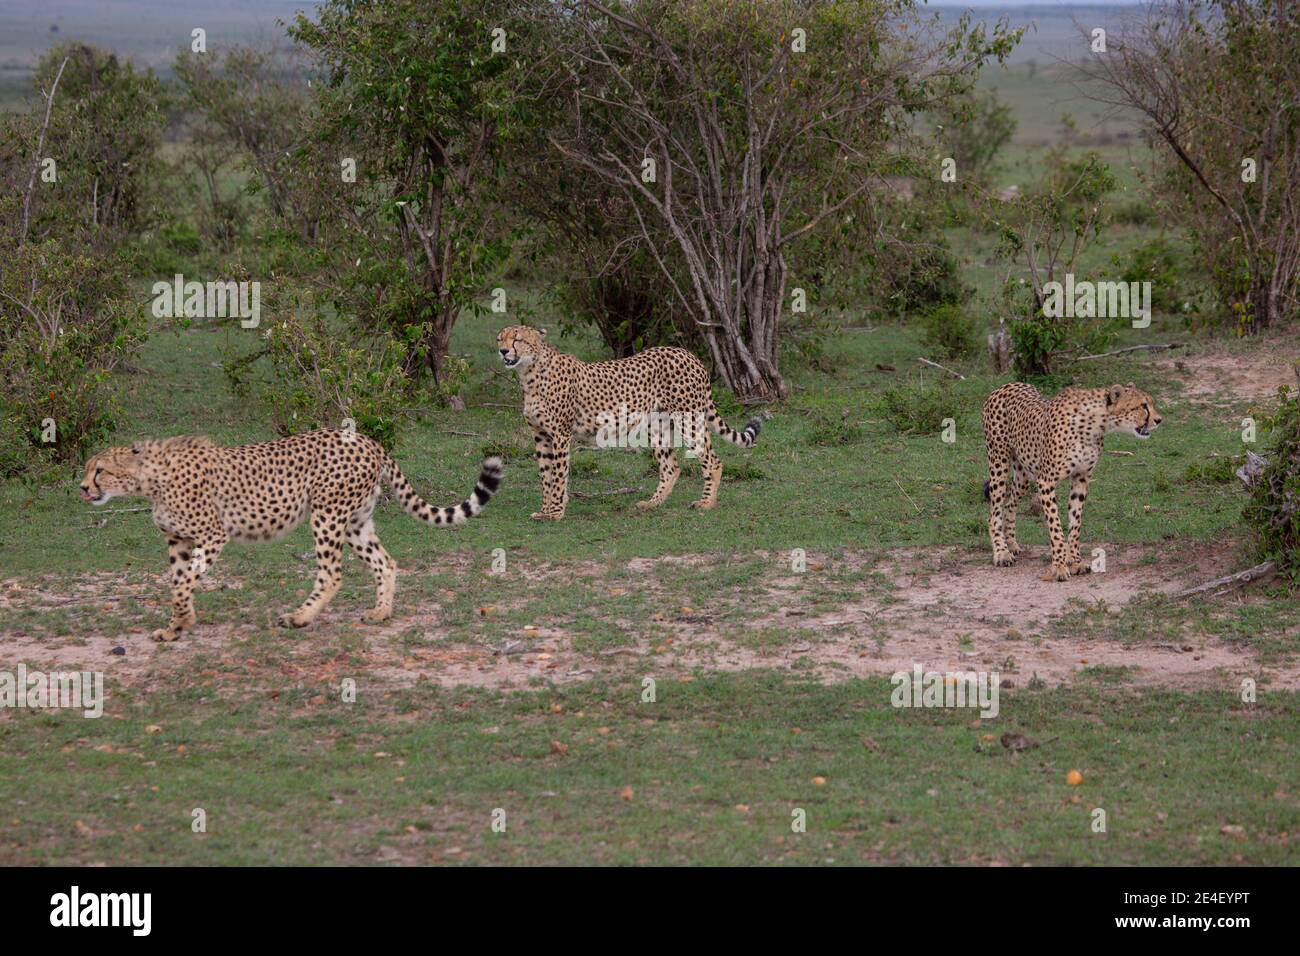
{"type": "Point", "coordinates": [855, 214]}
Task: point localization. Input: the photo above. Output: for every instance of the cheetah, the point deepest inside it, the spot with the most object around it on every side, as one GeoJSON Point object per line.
{"type": "Point", "coordinates": [205, 495]}
{"type": "Point", "coordinates": [658, 392]}
{"type": "Point", "coordinates": [1032, 439]}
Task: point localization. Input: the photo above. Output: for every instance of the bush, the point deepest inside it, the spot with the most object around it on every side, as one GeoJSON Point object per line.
{"type": "Point", "coordinates": [626, 302]}
{"type": "Point", "coordinates": [1273, 512]}
{"type": "Point", "coordinates": [65, 325]}
{"type": "Point", "coordinates": [1214, 471]}
{"type": "Point", "coordinates": [921, 406]}
{"type": "Point", "coordinates": [322, 375]}
{"type": "Point", "coordinates": [930, 277]}
{"type": "Point", "coordinates": [973, 129]}
{"type": "Point", "coordinates": [1160, 263]}
{"type": "Point", "coordinates": [66, 321]}
{"type": "Point", "coordinates": [951, 330]}
{"type": "Point", "coordinates": [834, 430]}
{"type": "Point", "coordinates": [106, 126]}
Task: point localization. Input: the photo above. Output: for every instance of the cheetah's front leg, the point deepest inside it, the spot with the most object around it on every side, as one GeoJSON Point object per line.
{"type": "Point", "coordinates": [189, 559]}
{"type": "Point", "coordinates": [553, 464]}
{"type": "Point", "coordinates": [1078, 495]}
{"type": "Point", "coordinates": [998, 471]}
{"type": "Point", "coordinates": [1052, 515]}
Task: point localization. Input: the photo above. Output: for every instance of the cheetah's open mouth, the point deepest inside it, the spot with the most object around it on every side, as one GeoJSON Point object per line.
{"type": "Point", "coordinates": [93, 499]}
{"type": "Point", "coordinates": [510, 362]}
{"type": "Point", "coordinates": [1143, 432]}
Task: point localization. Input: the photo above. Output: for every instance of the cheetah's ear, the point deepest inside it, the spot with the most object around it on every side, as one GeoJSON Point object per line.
{"type": "Point", "coordinates": [542, 334]}
{"type": "Point", "coordinates": [1113, 394]}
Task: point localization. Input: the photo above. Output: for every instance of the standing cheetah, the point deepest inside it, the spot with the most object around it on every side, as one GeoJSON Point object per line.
{"type": "Point", "coordinates": [660, 391]}
{"type": "Point", "coordinates": [205, 495]}
{"type": "Point", "coordinates": [1032, 439]}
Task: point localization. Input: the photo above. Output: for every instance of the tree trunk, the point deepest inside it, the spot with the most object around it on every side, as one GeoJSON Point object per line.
{"type": "Point", "coordinates": [1262, 304]}
{"type": "Point", "coordinates": [746, 358]}
{"type": "Point", "coordinates": [437, 342]}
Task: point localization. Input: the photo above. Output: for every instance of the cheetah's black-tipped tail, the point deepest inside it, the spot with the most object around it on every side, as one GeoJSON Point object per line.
{"type": "Point", "coordinates": [744, 438]}
{"type": "Point", "coordinates": [489, 480]}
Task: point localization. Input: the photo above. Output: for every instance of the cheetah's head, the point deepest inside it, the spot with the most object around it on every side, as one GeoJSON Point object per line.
{"type": "Point", "coordinates": [1130, 410]}
{"type": "Point", "coordinates": [113, 473]}
{"type": "Point", "coordinates": [520, 346]}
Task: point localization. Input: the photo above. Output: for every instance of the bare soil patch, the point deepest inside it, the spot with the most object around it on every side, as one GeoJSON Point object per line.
{"type": "Point", "coordinates": [1221, 377]}
{"type": "Point", "coordinates": [947, 609]}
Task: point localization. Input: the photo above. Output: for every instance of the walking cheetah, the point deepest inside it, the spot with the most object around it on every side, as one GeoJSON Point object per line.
{"type": "Point", "coordinates": [1032, 439]}
{"type": "Point", "coordinates": [205, 495]}
{"type": "Point", "coordinates": [660, 391]}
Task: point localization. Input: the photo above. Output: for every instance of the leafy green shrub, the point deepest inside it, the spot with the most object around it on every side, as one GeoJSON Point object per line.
{"type": "Point", "coordinates": [626, 303]}
{"type": "Point", "coordinates": [323, 374]}
{"type": "Point", "coordinates": [920, 407]}
{"type": "Point", "coordinates": [834, 430]}
{"type": "Point", "coordinates": [106, 126]}
{"type": "Point", "coordinates": [928, 278]}
{"type": "Point", "coordinates": [973, 129]}
{"type": "Point", "coordinates": [66, 319]}
{"type": "Point", "coordinates": [1273, 511]}
{"type": "Point", "coordinates": [65, 324]}
{"type": "Point", "coordinates": [1047, 229]}
{"type": "Point", "coordinates": [1034, 344]}
{"type": "Point", "coordinates": [951, 330]}
{"type": "Point", "coordinates": [1161, 263]}
{"type": "Point", "coordinates": [1214, 471]}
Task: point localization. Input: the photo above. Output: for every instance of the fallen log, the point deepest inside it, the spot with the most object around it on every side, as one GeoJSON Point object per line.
{"type": "Point", "coordinates": [1241, 577]}
{"type": "Point", "coordinates": [1131, 348]}
{"type": "Point", "coordinates": [926, 361]}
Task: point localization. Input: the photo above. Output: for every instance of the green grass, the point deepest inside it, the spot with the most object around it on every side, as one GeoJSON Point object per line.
{"type": "Point", "coordinates": [829, 453]}
{"type": "Point", "coordinates": [285, 779]}
{"type": "Point", "coordinates": [851, 466]}
{"type": "Point", "coordinates": [717, 767]}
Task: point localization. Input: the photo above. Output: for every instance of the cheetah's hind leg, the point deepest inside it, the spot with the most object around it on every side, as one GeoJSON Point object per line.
{"type": "Point", "coordinates": [669, 470]}
{"type": "Point", "coordinates": [365, 545]}
{"type": "Point", "coordinates": [327, 530]}
{"type": "Point", "coordinates": [697, 439]}
{"type": "Point", "coordinates": [1018, 485]}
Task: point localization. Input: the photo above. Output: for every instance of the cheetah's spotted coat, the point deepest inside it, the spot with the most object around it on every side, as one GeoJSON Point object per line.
{"type": "Point", "coordinates": [566, 398]}
{"type": "Point", "coordinates": [205, 495]}
{"type": "Point", "coordinates": [1032, 439]}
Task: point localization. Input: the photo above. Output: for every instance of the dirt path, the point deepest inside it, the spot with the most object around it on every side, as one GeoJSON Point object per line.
{"type": "Point", "coordinates": [947, 609]}
{"type": "Point", "coordinates": [1222, 377]}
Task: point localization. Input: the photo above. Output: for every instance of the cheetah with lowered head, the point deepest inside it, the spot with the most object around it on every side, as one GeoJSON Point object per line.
{"type": "Point", "coordinates": [659, 392]}
{"type": "Point", "coordinates": [1034, 440]}
{"type": "Point", "coordinates": [205, 495]}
